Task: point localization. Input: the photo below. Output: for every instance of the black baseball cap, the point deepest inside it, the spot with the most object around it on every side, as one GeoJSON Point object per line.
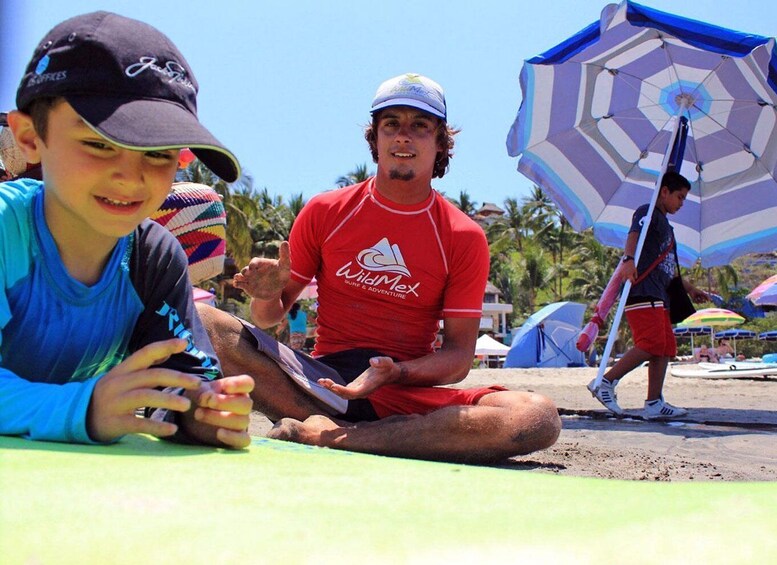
{"type": "Point", "coordinates": [128, 82]}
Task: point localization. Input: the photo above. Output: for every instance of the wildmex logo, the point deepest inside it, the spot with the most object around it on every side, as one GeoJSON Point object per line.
{"type": "Point", "coordinates": [383, 257]}
{"type": "Point", "coordinates": [380, 269]}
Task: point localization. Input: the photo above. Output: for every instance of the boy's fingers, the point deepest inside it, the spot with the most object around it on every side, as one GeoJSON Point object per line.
{"type": "Point", "coordinates": [233, 439]}
{"type": "Point", "coordinates": [154, 378]}
{"type": "Point", "coordinates": [222, 419]}
{"type": "Point", "coordinates": [137, 425]}
{"type": "Point", "coordinates": [239, 384]}
{"type": "Point", "coordinates": [149, 398]}
{"type": "Point", "coordinates": [152, 354]}
{"type": "Point", "coordinates": [238, 403]}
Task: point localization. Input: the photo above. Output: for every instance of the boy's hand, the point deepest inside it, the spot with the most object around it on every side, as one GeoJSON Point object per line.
{"type": "Point", "coordinates": [629, 271]}
{"type": "Point", "coordinates": [220, 411]}
{"type": "Point", "coordinates": [131, 385]}
{"type": "Point", "coordinates": [382, 371]}
{"type": "Point", "coordinates": [265, 279]}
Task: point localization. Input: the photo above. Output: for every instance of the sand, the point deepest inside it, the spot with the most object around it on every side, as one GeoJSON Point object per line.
{"type": "Point", "coordinates": [730, 433]}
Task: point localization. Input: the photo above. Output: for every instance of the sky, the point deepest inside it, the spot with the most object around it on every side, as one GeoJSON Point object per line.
{"type": "Point", "coordinates": [287, 85]}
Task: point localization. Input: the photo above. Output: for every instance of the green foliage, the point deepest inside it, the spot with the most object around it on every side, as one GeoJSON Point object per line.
{"type": "Point", "coordinates": [360, 174]}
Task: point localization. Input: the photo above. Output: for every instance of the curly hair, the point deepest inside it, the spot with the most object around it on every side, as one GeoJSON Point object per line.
{"type": "Point", "coordinates": [445, 140]}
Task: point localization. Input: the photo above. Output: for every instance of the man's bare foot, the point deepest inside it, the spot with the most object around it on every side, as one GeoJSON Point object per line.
{"type": "Point", "coordinates": [315, 430]}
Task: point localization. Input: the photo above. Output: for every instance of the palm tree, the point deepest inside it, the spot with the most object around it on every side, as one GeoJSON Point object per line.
{"type": "Point", "coordinates": [508, 231]}
{"type": "Point", "coordinates": [274, 223]}
{"type": "Point", "coordinates": [359, 174]}
{"type": "Point", "coordinates": [465, 203]}
{"type": "Point", "coordinates": [591, 265]}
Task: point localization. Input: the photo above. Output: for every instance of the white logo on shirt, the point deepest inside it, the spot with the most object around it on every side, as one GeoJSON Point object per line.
{"type": "Point", "coordinates": [380, 269]}
{"type": "Point", "coordinates": [383, 257]}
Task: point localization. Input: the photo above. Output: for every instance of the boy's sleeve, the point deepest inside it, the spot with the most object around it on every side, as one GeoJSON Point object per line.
{"type": "Point", "coordinates": [41, 411]}
{"type": "Point", "coordinates": [159, 270]}
{"type": "Point", "coordinates": [159, 274]}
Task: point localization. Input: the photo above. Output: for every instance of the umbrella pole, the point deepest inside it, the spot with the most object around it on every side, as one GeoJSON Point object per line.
{"type": "Point", "coordinates": [616, 322]}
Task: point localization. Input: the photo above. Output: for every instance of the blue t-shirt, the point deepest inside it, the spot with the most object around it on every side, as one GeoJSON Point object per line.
{"type": "Point", "coordinates": [659, 237]}
{"type": "Point", "coordinates": [298, 325]}
{"type": "Point", "coordinates": [58, 336]}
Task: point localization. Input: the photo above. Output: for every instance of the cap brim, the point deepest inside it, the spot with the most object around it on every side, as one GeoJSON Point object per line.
{"type": "Point", "coordinates": [155, 124]}
{"type": "Point", "coordinates": [408, 102]}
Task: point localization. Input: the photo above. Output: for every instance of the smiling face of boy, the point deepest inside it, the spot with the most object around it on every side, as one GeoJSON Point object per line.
{"type": "Point", "coordinates": [95, 191]}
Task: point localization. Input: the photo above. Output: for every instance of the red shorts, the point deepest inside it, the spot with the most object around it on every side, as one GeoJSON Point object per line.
{"type": "Point", "coordinates": [651, 328]}
{"type": "Point", "coordinates": [392, 400]}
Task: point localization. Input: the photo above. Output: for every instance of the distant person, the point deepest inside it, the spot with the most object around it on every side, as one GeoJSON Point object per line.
{"type": "Point", "coordinates": [298, 326]}
{"type": "Point", "coordinates": [647, 308]}
{"type": "Point", "coordinates": [392, 257]}
{"type": "Point", "coordinates": [97, 318]}
{"type": "Point", "coordinates": [724, 349]}
{"type": "Point", "coordinates": [705, 355]}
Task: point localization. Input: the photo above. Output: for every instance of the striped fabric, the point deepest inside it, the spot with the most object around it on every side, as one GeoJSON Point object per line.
{"type": "Point", "coordinates": [595, 123]}
{"type": "Point", "coordinates": [195, 215]}
{"type": "Point", "coordinates": [765, 293]}
{"type": "Point", "coordinates": [715, 317]}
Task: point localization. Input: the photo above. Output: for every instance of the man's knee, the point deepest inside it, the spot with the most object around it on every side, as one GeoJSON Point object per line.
{"type": "Point", "coordinates": [532, 421]}
{"type": "Point", "coordinates": [548, 425]}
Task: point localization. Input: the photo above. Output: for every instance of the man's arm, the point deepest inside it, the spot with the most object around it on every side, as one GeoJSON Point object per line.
{"type": "Point", "coordinates": [449, 365]}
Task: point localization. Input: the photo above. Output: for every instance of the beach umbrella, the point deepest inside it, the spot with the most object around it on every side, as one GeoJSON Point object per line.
{"type": "Point", "coordinates": [734, 334]}
{"type": "Point", "coordinates": [768, 336]}
{"type": "Point", "coordinates": [598, 118]}
{"type": "Point", "coordinates": [310, 291]}
{"type": "Point", "coordinates": [715, 317]}
{"type": "Point", "coordinates": [691, 331]}
{"type": "Point", "coordinates": [607, 112]}
{"type": "Point", "coordinates": [765, 293]}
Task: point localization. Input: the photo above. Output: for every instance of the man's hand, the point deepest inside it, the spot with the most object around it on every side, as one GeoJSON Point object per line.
{"type": "Point", "coordinates": [131, 385]}
{"type": "Point", "coordinates": [265, 279]}
{"type": "Point", "coordinates": [220, 412]}
{"type": "Point", "coordinates": [382, 371]}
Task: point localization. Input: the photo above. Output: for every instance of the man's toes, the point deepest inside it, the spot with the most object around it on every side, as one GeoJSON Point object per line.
{"type": "Point", "coordinates": [286, 429]}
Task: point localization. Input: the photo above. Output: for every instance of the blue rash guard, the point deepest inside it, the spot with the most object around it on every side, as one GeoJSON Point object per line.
{"type": "Point", "coordinates": [59, 336]}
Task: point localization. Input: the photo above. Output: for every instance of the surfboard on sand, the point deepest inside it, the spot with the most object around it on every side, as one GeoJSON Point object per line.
{"type": "Point", "coordinates": [277, 502]}
{"type": "Point", "coordinates": [730, 370]}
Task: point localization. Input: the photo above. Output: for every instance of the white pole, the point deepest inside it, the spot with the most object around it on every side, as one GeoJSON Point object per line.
{"type": "Point", "coordinates": [616, 321]}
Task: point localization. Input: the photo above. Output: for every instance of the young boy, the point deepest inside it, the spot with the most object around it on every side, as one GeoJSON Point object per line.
{"type": "Point", "coordinates": [647, 308]}
{"type": "Point", "coordinates": [96, 315]}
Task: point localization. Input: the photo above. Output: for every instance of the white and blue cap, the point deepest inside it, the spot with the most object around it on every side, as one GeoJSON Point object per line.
{"type": "Point", "coordinates": [412, 90]}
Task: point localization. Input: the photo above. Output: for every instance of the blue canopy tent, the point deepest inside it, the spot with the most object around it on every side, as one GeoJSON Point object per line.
{"type": "Point", "coordinates": [547, 338]}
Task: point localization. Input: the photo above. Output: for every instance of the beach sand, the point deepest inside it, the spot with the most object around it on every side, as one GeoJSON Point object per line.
{"type": "Point", "coordinates": [730, 433]}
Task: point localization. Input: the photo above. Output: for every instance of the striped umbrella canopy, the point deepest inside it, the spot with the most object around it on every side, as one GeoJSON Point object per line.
{"type": "Point", "coordinates": [598, 119]}
{"type": "Point", "coordinates": [768, 336]}
{"type": "Point", "coordinates": [691, 331]}
{"type": "Point", "coordinates": [765, 293]}
{"type": "Point", "coordinates": [734, 334]}
{"type": "Point", "coordinates": [715, 317]}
